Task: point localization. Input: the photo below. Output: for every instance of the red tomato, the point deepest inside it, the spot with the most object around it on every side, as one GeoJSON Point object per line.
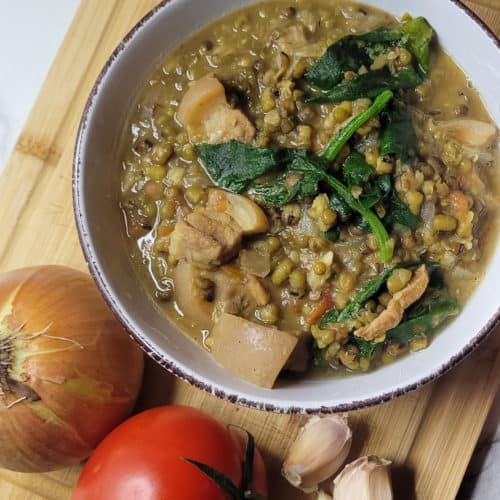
{"type": "Point", "coordinates": [142, 459]}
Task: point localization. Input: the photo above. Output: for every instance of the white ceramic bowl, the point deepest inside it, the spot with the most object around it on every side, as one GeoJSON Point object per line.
{"type": "Point", "coordinates": [100, 224]}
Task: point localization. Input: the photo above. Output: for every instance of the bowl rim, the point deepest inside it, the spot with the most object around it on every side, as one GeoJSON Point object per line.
{"type": "Point", "coordinates": [161, 357]}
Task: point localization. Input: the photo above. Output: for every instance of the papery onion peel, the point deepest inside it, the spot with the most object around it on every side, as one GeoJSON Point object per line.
{"type": "Point", "coordinates": [68, 372]}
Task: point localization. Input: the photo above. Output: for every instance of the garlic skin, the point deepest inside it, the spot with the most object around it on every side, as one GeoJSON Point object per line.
{"type": "Point", "coordinates": [323, 496]}
{"type": "Point", "coordinates": [318, 452]}
{"type": "Point", "coordinates": [367, 478]}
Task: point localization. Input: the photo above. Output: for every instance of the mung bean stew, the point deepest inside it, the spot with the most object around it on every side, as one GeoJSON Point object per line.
{"type": "Point", "coordinates": [310, 185]}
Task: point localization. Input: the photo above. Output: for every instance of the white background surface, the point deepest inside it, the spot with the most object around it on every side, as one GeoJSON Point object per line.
{"type": "Point", "coordinates": [30, 34]}
{"type": "Point", "coordinates": [31, 31]}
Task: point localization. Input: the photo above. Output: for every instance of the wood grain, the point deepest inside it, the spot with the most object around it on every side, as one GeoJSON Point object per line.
{"type": "Point", "coordinates": [429, 434]}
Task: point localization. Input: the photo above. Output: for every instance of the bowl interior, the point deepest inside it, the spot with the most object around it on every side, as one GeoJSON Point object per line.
{"type": "Point", "coordinates": [96, 181]}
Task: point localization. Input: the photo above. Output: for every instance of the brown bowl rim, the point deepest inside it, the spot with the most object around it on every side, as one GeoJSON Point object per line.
{"type": "Point", "coordinates": [162, 358]}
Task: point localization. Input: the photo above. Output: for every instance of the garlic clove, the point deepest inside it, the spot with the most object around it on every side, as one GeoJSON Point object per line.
{"type": "Point", "coordinates": [318, 452]}
{"type": "Point", "coordinates": [367, 478]}
{"type": "Point", "coordinates": [323, 496]}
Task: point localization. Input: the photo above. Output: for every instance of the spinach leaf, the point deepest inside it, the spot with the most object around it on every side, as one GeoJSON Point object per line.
{"type": "Point", "coordinates": [307, 166]}
{"type": "Point", "coordinates": [308, 185]}
{"type": "Point", "coordinates": [426, 304]}
{"type": "Point", "coordinates": [356, 171]}
{"type": "Point", "coordinates": [369, 85]}
{"type": "Point", "coordinates": [416, 37]}
{"type": "Point", "coordinates": [233, 165]}
{"type": "Point", "coordinates": [436, 275]}
{"type": "Point", "coordinates": [339, 141]}
{"type": "Point", "coordinates": [435, 307]}
{"type": "Point", "coordinates": [364, 294]}
{"type": "Point", "coordinates": [343, 210]}
{"type": "Point", "coordinates": [366, 348]}
{"type": "Point", "coordinates": [399, 213]}
{"type": "Point", "coordinates": [399, 137]}
{"type": "Point", "coordinates": [354, 51]}
{"type": "Point", "coordinates": [376, 191]}
{"type": "Point", "coordinates": [379, 190]}
{"type": "Point", "coordinates": [348, 54]}
{"type": "Point", "coordinates": [330, 316]}
{"type": "Point", "coordinates": [275, 192]}
{"type": "Point", "coordinates": [332, 234]}
{"type": "Point", "coordinates": [280, 192]}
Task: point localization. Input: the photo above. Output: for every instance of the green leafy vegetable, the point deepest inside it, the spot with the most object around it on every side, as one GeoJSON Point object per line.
{"type": "Point", "coordinates": [366, 348]}
{"type": "Point", "coordinates": [275, 192]}
{"type": "Point", "coordinates": [370, 85]}
{"type": "Point", "coordinates": [354, 51]}
{"type": "Point", "coordinates": [435, 307]}
{"type": "Point", "coordinates": [233, 165]}
{"type": "Point", "coordinates": [313, 171]}
{"type": "Point", "coordinates": [379, 190]}
{"type": "Point", "coordinates": [399, 213]}
{"type": "Point", "coordinates": [332, 234]}
{"type": "Point", "coordinates": [283, 190]}
{"type": "Point", "coordinates": [349, 130]}
{"type": "Point", "coordinates": [309, 167]}
{"type": "Point", "coordinates": [349, 54]}
{"type": "Point", "coordinates": [375, 192]}
{"type": "Point", "coordinates": [399, 137]}
{"type": "Point", "coordinates": [416, 37]}
{"type": "Point", "coordinates": [356, 171]}
{"type": "Point", "coordinates": [343, 210]}
{"type": "Point", "coordinates": [365, 293]}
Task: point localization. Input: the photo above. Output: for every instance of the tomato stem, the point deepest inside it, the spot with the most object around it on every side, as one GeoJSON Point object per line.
{"type": "Point", "coordinates": [232, 492]}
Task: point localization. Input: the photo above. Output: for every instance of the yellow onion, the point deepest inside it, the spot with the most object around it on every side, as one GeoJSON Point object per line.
{"type": "Point", "coordinates": [68, 372]}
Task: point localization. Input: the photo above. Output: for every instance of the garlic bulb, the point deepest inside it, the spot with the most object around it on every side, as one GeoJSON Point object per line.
{"type": "Point", "coordinates": [318, 452]}
{"type": "Point", "coordinates": [367, 478]}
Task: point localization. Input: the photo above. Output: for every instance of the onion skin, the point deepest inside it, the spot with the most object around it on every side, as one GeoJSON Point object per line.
{"type": "Point", "coordinates": [87, 379]}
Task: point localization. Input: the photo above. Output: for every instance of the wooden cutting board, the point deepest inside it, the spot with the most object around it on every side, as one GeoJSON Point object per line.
{"type": "Point", "coordinates": [428, 434]}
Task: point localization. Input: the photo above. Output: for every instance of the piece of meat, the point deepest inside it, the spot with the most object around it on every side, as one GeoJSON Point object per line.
{"type": "Point", "coordinates": [188, 243]}
{"type": "Point", "coordinates": [401, 300]}
{"type": "Point", "coordinates": [194, 293]}
{"type": "Point", "coordinates": [221, 227]}
{"type": "Point", "coordinates": [253, 352]}
{"type": "Point", "coordinates": [237, 292]}
{"type": "Point", "coordinates": [231, 294]}
{"type": "Point", "coordinates": [205, 238]}
{"type": "Point", "coordinates": [207, 116]}
{"type": "Point", "coordinates": [205, 294]}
